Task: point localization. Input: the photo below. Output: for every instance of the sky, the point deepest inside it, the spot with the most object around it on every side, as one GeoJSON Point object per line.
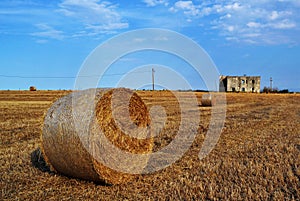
{"type": "Point", "coordinates": [45, 43]}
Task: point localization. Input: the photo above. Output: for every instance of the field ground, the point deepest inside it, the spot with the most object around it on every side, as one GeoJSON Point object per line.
{"type": "Point", "coordinates": [257, 156]}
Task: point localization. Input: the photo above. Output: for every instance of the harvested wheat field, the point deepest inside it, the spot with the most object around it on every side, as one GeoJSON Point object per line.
{"type": "Point", "coordinates": [257, 156]}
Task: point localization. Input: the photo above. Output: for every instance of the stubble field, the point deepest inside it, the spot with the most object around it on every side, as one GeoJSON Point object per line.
{"type": "Point", "coordinates": [257, 155]}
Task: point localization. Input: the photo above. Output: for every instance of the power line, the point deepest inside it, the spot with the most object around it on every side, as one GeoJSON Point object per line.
{"type": "Point", "coordinates": [35, 77]}
{"type": "Point", "coordinates": [66, 77]}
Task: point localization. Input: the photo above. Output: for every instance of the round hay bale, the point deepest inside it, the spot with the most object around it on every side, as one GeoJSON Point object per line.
{"type": "Point", "coordinates": [32, 88]}
{"type": "Point", "coordinates": [73, 139]}
{"type": "Point", "coordinates": [208, 100]}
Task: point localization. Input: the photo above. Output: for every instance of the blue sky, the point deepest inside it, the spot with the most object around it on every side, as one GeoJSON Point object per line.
{"type": "Point", "coordinates": [44, 43]}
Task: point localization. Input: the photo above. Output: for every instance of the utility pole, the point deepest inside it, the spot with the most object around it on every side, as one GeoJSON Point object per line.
{"type": "Point", "coordinates": [153, 71]}
{"type": "Point", "coordinates": [271, 83]}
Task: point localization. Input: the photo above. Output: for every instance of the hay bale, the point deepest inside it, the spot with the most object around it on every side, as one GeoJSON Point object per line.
{"type": "Point", "coordinates": [73, 139]}
{"type": "Point", "coordinates": [208, 100]}
{"type": "Point", "coordinates": [32, 88]}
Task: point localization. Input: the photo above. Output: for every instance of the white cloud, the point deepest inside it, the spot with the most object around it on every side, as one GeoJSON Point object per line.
{"type": "Point", "coordinates": [187, 7]}
{"type": "Point", "coordinates": [262, 21]}
{"type": "Point", "coordinates": [106, 28]}
{"type": "Point", "coordinates": [254, 25]}
{"type": "Point", "coordinates": [163, 38]}
{"type": "Point", "coordinates": [152, 3]}
{"type": "Point", "coordinates": [139, 40]}
{"type": "Point", "coordinates": [235, 6]}
{"type": "Point", "coordinates": [274, 15]}
{"type": "Point", "coordinates": [230, 28]}
{"type": "Point", "coordinates": [293, 2]}
{"type": "Point", "coordinates": [226, 16]}
{"type": "Point", "coordinates": [251, 35]}
{"type": "Point", "coordinates": [100, 16]}
{"type": "Point", "coordinates": [235, 39]}
{"type": "Point", "coordinates": [284, 24]}
{"type": "Point", "coordinates": [173, 10]}
{"type": "Point", "coordinates": [227, 8]}
{"type": "Point", "coordinates": [233, 20]}
{"type": "Point", "coordinates": [48, 32]}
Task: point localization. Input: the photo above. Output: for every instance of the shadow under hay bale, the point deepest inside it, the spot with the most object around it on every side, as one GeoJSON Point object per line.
{"type": "Point", "coordinates": [76, 130]}
{"type": "Point", "coordinates": [38, 161]}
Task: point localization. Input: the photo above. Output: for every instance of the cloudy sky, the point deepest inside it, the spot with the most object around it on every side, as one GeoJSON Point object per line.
{"type": "Point", "coordinates": [44, 43]}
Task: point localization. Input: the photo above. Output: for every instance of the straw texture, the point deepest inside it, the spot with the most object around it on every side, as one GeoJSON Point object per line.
{"type": "Point", "coordinates": [208, 100]}
{"type": "Point", "coordinates": [77, 126]}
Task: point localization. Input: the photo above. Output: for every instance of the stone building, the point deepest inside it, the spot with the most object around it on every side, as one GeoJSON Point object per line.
{"type": "Point", "coordinates": [250, 84]}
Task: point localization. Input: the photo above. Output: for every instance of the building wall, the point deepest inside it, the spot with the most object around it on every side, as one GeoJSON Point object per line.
{"type": "Point", "coordinates": [240, 83]}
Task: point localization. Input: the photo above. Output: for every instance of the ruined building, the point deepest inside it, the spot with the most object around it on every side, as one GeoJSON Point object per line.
{"type": "Point", "coordinates": [240, 84]}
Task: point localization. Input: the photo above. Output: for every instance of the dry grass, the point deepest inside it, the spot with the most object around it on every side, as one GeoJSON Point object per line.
{"type": "Point", "coordinates": [257, 156]}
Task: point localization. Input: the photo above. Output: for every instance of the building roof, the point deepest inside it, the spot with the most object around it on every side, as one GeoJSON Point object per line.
{"type": "Point", "coordinates": [232, 76]}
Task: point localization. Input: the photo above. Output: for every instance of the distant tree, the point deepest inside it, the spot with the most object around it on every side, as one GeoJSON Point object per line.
{"type": "Point", "coordinates": [284, 91]}
{"type": "Point", "coordinates": [267, 90]}
{"type": "Point", "coordinates": [275, 90]}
